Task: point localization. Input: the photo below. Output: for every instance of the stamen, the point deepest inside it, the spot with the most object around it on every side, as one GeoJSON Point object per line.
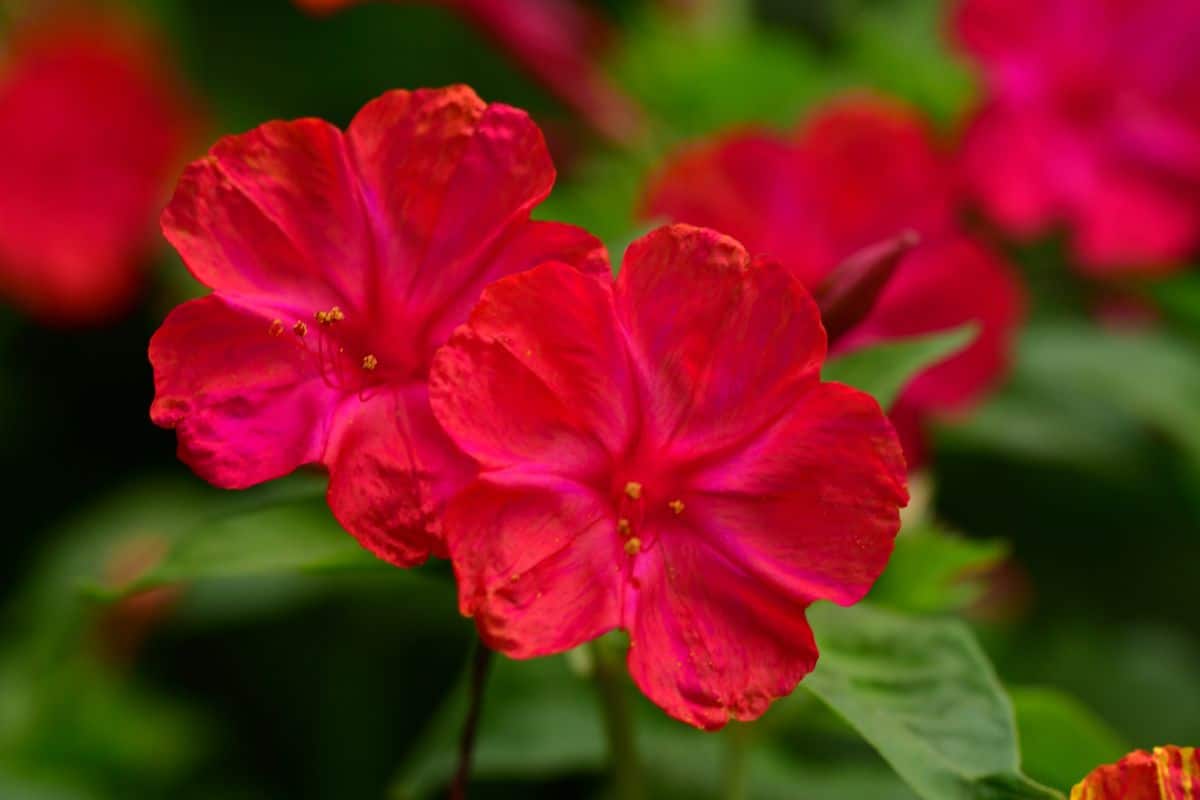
{"type": "Point", "coordinates": [676, 506]}
{"type": "Point", "coordinates": [633, 546]}
{"type": "Point", "coordinates": [329, 317]}
{"type": "Point", "coordinates": [370, 362]}
{"type": "Point", "coordinates": [276, 328]}
{"type": "Point", "coordinates": [300, 329]}
{"type": "Point", "coordinates": [634, 490]}
{"type": "Point", "coordinates": [623, 526]}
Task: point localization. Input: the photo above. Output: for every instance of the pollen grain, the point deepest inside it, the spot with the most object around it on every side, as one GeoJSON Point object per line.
{"type": "Point", "coordinates": [633, 546]}
{"type": "Point", "coordinates": [634, 490]}
{"type": "Point", "coordinates": [370, 362]}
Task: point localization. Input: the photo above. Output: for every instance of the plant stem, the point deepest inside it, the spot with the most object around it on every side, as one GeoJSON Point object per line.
{"type": "Point", "coordinates": [480, 662]}
{"type": "Point", "coordinates": [618, 725]}
{"type": "Point", "coordinates": [733, 772]}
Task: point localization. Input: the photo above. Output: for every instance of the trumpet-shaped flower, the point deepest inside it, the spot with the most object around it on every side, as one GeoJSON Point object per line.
{"type": "Point", "coordinates": [861, 171]}
{"type": "Point", "coordinates": [660, 455]}
{"type": "Point", "coordinates": [339, 262]}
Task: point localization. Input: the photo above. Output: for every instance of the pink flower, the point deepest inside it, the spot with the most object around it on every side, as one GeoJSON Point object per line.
{"type": "Point", "coordinates": [339, 263]}
{"type": "Point", "coordinates": [90, 135]}
{"type": "Point", "coordinates": [1091, 119]}
{"type": "Point", "coordinates": [660, 455]}
{"type": "Point", "coordinates": [558, 42]}
{"type": "Point", "coordinates": [859, 172]}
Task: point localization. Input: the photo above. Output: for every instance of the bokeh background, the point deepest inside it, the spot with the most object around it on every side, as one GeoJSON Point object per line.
{"type": "Point", "coordinates": [1075, 486]}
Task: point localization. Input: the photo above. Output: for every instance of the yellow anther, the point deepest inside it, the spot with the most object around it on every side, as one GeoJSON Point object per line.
{"type": "Point", "coordinates": [633, 546]}
{"type": "Point", "coordinates": [276, 328]}
{"type": "Point", "coordinates": [329, 317]}
{"type": "Point", "coordinates": [676, 506]}
{"type": "Point", "coordinates": [369, 362]}
{"type": "Point", "coordinates": [633, 489]}
{"type": "Point", "coordinates": [623, 526]}
{"type": "Point", "coordinates": [299, 328]}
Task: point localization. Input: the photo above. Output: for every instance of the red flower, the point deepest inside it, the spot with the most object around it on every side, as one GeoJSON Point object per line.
{"type": "Point", "coordinates": [558, 41]}
{"type": "Point", "coordinates": [340, 262]}
{"type": "Point", "coordinates": [90, 135]}
{"type": "Point", "coordinates": [1171, 773]}
{"type": "Point", "coordinates": [1092, 119]}
{"type": "Point", "coordinates": [859, 172]}
{"type": "Point", "coordinates": [660, 455]}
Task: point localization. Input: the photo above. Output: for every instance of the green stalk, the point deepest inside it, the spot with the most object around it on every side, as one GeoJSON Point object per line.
{"type": "Point", "coordinates": [618, 724]}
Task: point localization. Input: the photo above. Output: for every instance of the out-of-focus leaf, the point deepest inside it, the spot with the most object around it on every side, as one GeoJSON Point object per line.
{"type": "Point", "coordinates": [78, 720]}
{"type": "Point", "coordinates": [884, 369]}
{"type": "Point", "coordinates": [541, 720]}
{"type": "Point", "coordinates": [902, 49]}
{"type": "Point", "coordinates": [931, 570]}
{"type": "Point", "coordinates": [922, 692]}
{"type": "Point", "coordinates": [696, 80]}
{"type": "Point", "coordinates": [294, 537]}
{"type": "Point", "coordinates": [1080, 395]}
{"type": "Point", "coordinates": [1061, 738]}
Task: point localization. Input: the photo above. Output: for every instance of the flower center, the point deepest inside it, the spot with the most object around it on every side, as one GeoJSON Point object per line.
{"type": "Point", "coordinates": [336, 348]}
{"type": "Point", "coordinates": [637, 504]}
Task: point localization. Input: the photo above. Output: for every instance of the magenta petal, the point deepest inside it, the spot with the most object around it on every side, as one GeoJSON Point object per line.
{"type": "Point", "coordinates": [275, 214]}
{"type": "Point", "coordinates": [445, 178]}
{"type": "Point", "coordinates": [538, 566]}
{"type": "Point", "coordinates": [724, 345]}
{"type": "Point", "coordinates": [391, 471]}
{"type": "Point", "coordinates": [537, 377]}
{"type": "Point", "coordinates": [811, 506]}
{"type": "Point", "coordinates": [710, 641]}
{"type": "Point", "coordinates": [1133, 223]}
{"type": "Point", "coordinates": [526, 246]}
{"type": "Point", "coordinates": [247, 405]}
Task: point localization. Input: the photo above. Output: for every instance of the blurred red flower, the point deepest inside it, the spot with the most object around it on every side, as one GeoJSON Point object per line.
{"type": "Point", "coordinates": [339, 263]}
{"type": "Point", "coordinates": [91, 132]}
{"type": "Point", "coordinates": [1091, 118]}
{"type": "Point", "coordinates": [558, 42]}
{"type": "Point", "coordinates": [660, 455]}
{"type": "Point", "coordinates": [1171, 773]}
{"type": "Point", "coordinates": [859, 172]}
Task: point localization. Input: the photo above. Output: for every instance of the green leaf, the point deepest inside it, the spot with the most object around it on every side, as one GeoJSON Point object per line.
{"type": "Point", "coordinates": [298, 536]}
{"type": "Point", "coordinates": [884, 369]}
{"type": "Point", "coordinates": [932, 570]}
{"type": "Point", "coordinates": [1061, 738]}
{"type": "Point", "coordinates": [1083, 396]}
{"type": "Point", "coordinates": [923, 694]}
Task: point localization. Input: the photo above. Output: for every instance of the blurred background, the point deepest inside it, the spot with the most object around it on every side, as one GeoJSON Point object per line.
{"type": "Point", "coordinates": [268, 662]}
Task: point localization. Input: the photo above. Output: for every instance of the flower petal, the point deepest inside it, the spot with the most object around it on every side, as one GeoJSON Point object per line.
{"type": "Point", "coordinates": [247, 405]}
{"type": "Point", "coordinates": [275, 214]}
{"type": "Point", "coordinates": [1134, 777]}
{"type": "Point", "coordinates": [1017, 189]}
{"type": "Point", "coordinates": [750, 186]}
{"type": "Point", "coordinates": [538, 376]}
{"type": "Point", "coordinates": [709, 641]}
{"type": "Point", "coordinates": [811, 507]}
{"type": "Point", "coordinates": [525, 247]}
{"type": "Point", "coordinates": [391, 471]}
{"type": "Point", "coordinates": [1135, 223]}
{"type": "Point", "coordinates": [446, 178]}
{"type": "Point", "coordinates": [731, 344]}
{"type": "Point", "coordinates": [538, 566]}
